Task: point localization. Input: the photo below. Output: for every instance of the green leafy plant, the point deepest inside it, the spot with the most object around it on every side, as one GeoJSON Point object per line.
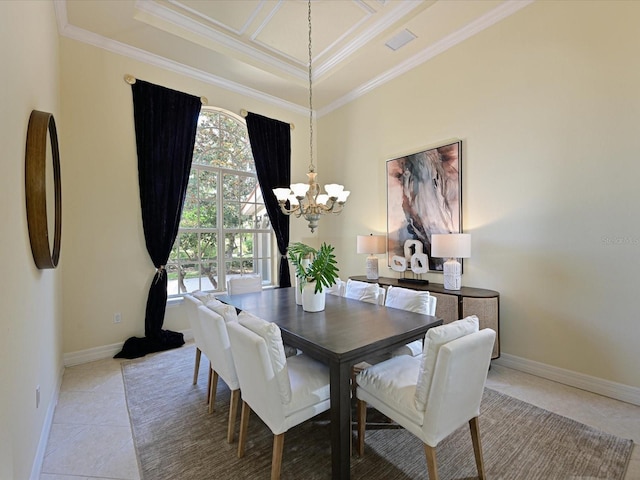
{"type": "Point", "coordinates": [323, 267]}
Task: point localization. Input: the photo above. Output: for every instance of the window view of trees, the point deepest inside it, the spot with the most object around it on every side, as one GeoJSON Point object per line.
{"type": "Point", "coordinates": [224, 229]}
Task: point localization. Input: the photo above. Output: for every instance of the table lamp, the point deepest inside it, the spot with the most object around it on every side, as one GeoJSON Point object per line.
{"type": "Point", "coordinates": [372, 244]}
{"type": "Point", "coordinates": [451, 246]}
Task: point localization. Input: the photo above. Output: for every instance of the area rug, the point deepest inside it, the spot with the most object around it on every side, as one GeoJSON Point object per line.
{"type": "Point", "coordinates": [176, 438]}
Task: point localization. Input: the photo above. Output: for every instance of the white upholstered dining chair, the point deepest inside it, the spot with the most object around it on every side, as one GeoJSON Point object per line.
{"type": "Point", "coordinates": [244, 284]}
{"type": "Point", "coordinates": [434, 394]}
{"type": "Point", "coordinates": [414, 301]}
{"type": "Point", "coordinates": [364, 291]}
{"type": "Point", "coordinates": [191, 305]}
{"type": "Point", "coordinates": [283, 392]}
{"type": "Point", "coordinates": [217, 347]}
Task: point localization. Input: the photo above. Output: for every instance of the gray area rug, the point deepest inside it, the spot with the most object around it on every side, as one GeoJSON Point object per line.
{"type": "Point", "coordinates": [176, 438]}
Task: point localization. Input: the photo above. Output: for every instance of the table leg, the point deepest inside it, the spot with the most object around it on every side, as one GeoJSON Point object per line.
{"type": "Point", "coordinates": [340, 375]}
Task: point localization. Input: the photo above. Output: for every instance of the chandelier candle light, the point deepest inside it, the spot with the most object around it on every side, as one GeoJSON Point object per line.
{"type": "Point", "coordinates": [371, 244]}
{"type": "Point", "coordinates": [305, 199]}
{"type": "Point", "coordinates": [451, 246]}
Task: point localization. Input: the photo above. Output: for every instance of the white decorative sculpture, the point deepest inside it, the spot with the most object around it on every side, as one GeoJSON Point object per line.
{"type": "Point", "coordinates": [419, 263]}
{"type": "Point", "coordinates": [398, 263]}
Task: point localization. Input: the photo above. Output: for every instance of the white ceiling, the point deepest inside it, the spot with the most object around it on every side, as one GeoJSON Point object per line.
{"type": "Point", "coordinates": [260, 47]}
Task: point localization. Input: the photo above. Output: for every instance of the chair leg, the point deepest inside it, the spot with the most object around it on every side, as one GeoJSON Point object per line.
{"type": "Point", "coordinates": [361, 412]}
{"type": "Point", "coordinates": [477, 446]}
{"type": "Point", "coordinates": [196, 367]}
{"type": "Point", "coordinates": [244, 425]}
{"type": "Point", "coordinates": [432, 465]}
{"type": "Point", "coordinates": [209, 384]}
{"type": "Point", "coordinates": [276, 458]}
{"type": "Point", "coordinates": [233, 410]}
{"type": "Point", "coordinates": [212, 391]}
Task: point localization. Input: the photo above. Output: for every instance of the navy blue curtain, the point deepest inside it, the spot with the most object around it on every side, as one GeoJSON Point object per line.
{"type": "Point", "coordinates": [165, 122]}
{"type": "Point", "coordinates": [271, 147]}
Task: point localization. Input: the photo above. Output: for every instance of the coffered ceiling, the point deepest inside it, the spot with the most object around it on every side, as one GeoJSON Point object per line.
{"type": "Point", "coordinates": [260, 47]}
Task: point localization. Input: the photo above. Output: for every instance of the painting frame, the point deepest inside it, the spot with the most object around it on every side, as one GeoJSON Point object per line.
{"type": "Point", "coordinates": [424, 197]}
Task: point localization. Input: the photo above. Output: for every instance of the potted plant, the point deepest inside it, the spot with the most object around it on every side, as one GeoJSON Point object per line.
{"type": "Point", "coordinates": [315, 270]}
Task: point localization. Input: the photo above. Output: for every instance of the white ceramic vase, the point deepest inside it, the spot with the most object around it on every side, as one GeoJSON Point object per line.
{"type": "Point", "coordinates": [311, 301]}
{"type": "Point", "coordinates": [305, 263]}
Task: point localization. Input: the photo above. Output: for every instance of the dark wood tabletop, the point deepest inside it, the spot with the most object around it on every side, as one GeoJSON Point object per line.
{"type": "Point", "coordinates": [343, 334]}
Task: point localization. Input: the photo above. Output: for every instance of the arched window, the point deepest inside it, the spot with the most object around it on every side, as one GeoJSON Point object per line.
{"type": "Point", "coordinates": [224, 230]}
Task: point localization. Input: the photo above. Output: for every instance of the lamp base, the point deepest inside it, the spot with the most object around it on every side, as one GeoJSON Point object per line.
{"type": "Point", "coordinates": [452, 274]}
{"type": "Point", "coordinates": [372, 268]}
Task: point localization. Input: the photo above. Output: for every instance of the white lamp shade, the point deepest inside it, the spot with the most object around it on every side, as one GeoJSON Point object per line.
{"type": "Point", "coordinates": [342, 197]}
{"type": "Point", "coordinates": [452, 245]}
{"type": "Point", "coordinates": [333, 189]}
{"type": "Point", "coordinates": [282, 193]}
{"type": "Point", "coordinates": [300, 189]}
{"type": "Point", "coordinates": [323, 198]}
{"type": "Point", "coordinates": [371, 244]}
{"type": "Point", "coordinates": [293, 200]}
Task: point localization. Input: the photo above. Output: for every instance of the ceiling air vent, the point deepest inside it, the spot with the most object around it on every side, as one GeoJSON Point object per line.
{"type": "Point", "coordinates": [400, 40]}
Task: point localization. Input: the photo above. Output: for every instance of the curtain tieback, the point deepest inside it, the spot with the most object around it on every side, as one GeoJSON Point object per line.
{"type": "Point", "coordinates": [159, 272]}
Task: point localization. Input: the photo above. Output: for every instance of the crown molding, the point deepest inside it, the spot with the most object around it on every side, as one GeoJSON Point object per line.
{"type": "Point", "coordinates": [143, 56]}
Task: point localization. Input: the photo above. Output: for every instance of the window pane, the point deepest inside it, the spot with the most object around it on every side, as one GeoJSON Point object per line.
{"type": "Point", "coordinates": [188, 247]}
{"type": "Point", "coordinates": [231, 215]}
{"type": "Point", "coordinates": [230, 187]}
{"type": "Point", "coordinates": [190, 208]}
{"type": "Point", "coordinates": [231, 245]}
{"type": "Point", "coordinates": [189, 277]}
{"type": "Point", "coordinates": [208, 246]}
{"type": "Point", "coordinates": [209, 277]}
{"type": "Point", "coordinates": [246, 245]}
{"type": "Point", "coordinates": [172, 280]}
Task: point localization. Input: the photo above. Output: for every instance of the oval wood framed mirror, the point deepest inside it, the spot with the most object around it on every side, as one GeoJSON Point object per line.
{"type": "Point", "coordinates": [41, 133]}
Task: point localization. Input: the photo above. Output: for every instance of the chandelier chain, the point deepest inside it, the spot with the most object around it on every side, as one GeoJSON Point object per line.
{"type": "Point", "coordinates": [311, 166]}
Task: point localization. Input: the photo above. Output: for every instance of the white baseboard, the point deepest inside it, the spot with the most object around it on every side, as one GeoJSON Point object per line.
{"type": "Point", "coordinates": [105, 351]}
{"type": "Point", "coordinates": [36, 468]}
{"type": "Point", "coordinates": [597, 385]}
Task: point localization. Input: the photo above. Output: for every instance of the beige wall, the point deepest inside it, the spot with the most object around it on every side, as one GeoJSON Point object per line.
{"type": "Point", "coordinates": [546, 103]}
{"type": "Point", "coordinates": [108, 270]}
{"type": "Point", "coordinates": [30, 322]}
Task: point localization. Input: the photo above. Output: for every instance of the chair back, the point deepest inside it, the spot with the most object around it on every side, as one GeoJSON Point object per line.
{"type": "Point", "coordinates": [191, 305]}
{"type": "Point", "coordinates": [412, 300]}
{"type": "Point", "coordinates": [244, 284]}
{"type": "Point", "coordinates": [217, 346]}
{"type": "Point", "coordinates": [457, 384]}
{"type": "Point", "coordinates": [363, 291]}
{"type": "Point", "coordinates": [256, 374]}
{"type": "Point", "coordinates": [337, 288]}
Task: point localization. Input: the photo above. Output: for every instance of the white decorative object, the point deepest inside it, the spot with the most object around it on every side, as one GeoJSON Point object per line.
{"type": "Point", "coordinates": [419, 263]}
{"type": "Point", "coordinates": [451, 246]}
{"type": "Point", "coordinates": [371, 244]}
{"type": "Point", "coordinates": [305, 262]}
{"type": "Point", "coordinates": [311, 301]}
{"type": "Point", "coordinates": [411, 247]}
{"type": "Point", "coordinates": [398, 263]}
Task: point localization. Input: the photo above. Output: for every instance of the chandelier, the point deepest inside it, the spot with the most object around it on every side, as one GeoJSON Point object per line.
{"type": "Point", "coordinates": [305, 199]}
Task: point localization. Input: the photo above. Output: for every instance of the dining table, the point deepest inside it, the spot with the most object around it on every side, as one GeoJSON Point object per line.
{"type": "Point", "coordinates": [345, 333]}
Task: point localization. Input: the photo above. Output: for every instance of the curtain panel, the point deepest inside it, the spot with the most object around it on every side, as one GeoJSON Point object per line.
{"type": "Point", "coordinates": [271, 147]}
{"type": "Point", "coordinates": [165, 125]}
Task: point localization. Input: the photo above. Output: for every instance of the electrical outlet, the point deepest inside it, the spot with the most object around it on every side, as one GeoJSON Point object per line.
{"type": "Point", "coordinates": [117, 317]}
{"type": "Point", "coordinates": [37, 396]}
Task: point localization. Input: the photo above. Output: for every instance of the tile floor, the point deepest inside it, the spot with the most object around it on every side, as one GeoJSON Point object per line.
{"type": "Point", "coordinates": [91, 439]}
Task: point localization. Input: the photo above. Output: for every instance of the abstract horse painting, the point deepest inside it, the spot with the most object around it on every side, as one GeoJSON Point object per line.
{"type": "Point", "coordinates": [423, 198]}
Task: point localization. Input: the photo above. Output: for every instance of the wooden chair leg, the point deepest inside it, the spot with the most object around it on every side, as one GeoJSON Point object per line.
{"type": "Point", "coordinates": [276, 458]}
{"type": "Point", "coordinates": [244, 425]}
{"type": "Point", "coordinates": [209, 384]}
{"type": "Point", "coordinates": [212, 391]}
{"type": "Point", "coordinates": [432, 466]}
{"type": "Point", "coordinates": [361, 412]}
{"type": "Point", "coordinates": [477, 446]}
{"type": "Point", "coordinates": [233, 411]}
{"type": "Point", "coordinates": [196, 367]}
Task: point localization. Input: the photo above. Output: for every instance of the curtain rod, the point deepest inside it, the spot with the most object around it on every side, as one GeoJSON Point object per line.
{"type": "Point", "coordinates": [244, 113]}
{"type": "Point", "coordinates": [130, 79]}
